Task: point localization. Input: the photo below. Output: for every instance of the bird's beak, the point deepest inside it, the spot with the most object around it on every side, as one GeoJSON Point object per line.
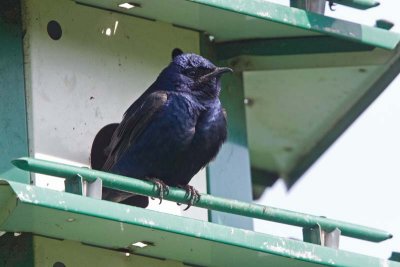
{"type": "Point", "coordinates": [216, 72]}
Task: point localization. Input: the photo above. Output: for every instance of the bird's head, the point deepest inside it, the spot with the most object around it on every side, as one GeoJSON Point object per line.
{"type": "Point", "coordinates": [196, 74]}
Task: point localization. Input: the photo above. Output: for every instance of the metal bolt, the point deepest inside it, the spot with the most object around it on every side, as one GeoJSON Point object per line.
{"type": "Point", "coordinates": [248, 101]}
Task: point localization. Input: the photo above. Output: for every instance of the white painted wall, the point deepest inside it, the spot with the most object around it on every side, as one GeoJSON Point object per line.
{"type": "Point", "coordinates": [89, 77]}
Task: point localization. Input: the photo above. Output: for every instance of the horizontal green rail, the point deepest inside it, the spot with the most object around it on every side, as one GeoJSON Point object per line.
{"type": "Point", "coordinates": [206, 201]}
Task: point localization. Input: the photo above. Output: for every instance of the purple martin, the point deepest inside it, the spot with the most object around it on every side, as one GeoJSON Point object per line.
{"type": "Point", "coordinates": [175, 128]}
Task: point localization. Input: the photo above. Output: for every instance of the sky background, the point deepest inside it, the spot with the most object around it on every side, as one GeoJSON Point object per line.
{"type": "Point", "coordinates": [357, 178]}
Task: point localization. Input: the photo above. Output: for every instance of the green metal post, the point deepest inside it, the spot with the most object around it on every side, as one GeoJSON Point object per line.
{"type": "Point", "coordinates": [229, 174]}
{"type": "Point", "coordinates": [13, 129]}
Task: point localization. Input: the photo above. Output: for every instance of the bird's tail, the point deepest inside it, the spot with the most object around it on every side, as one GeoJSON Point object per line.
{"type": "Point", "coordinates": [98, 157]}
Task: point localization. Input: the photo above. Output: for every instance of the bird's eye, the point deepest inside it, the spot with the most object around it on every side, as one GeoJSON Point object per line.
{"type": "Point", "coordinates": [196, 72]}
{"type": "Point", "coordinates": [204, 71]}
{"type": "Point", "coordinates": [191, 73]}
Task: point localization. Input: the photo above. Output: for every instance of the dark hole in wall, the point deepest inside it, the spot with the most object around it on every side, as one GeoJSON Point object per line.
{"type": "Point", "coordinates": [54, 30]}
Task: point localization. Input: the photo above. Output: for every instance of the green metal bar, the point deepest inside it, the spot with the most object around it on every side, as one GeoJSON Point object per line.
{"type": "Point", "coordinates": [206, 201]}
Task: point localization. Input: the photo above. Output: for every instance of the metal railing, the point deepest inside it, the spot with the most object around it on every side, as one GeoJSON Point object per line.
{"type": "Point", "coordinates": [206, 201]}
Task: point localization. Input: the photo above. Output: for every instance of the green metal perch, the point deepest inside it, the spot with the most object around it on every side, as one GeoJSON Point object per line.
{"type": "Point", "coordinates": [206, 201]}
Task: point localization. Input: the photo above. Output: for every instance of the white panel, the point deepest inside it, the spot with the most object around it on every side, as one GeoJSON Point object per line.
{"type": "Point", "coordinates": [291, 110]}
{"type": "Point", "coordinates": [89, 77]}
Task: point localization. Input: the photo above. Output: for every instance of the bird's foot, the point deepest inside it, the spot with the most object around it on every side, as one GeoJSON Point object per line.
{"type": "Point", "coordinates": [162, 188]}
{"type": "Point", "coordinates": [192, 193]}
{"type": "Point", "coordinates": [331, 5]}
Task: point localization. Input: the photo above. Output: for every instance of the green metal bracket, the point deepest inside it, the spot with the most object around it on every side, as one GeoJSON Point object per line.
{"type": "Point", "coordinates": [395, 256]}
{"type": "Point", "coordinates": [79, 186]}
{"type": "Point", "coordinates": [317, 235]}
{"type": "Point", "coordinates": [74, 185]}
{"type": "Point", "coordinates": [384, 24]}
{"type": "Point", "coordinates": [206, 201]}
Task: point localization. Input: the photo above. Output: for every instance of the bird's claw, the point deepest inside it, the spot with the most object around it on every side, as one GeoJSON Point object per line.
{"type": "Point", "coordinates": [162, 188]}
{"type": "Point", "coordinates": [192, 194]}
{"type": "Point", "coordinates": [331, 5]}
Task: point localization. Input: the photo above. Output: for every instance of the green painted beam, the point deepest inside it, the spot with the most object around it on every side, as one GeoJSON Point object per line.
{"type": "Point", "coordinates": [13, 130]}
{"type": "Point", "coordinates": [206, 201]}
{"type": "Point", "coordinates": [228, 175]}
{"type": "Point", "coordinates": [114, 226]}
{"type": "Point", "coordinates": [299, 18]}
{"type": "Point", "coordinates": [288, 46]}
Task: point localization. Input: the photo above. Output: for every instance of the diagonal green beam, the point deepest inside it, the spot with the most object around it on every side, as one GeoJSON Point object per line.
{"type": "Point", "coordinates": [206, 201]}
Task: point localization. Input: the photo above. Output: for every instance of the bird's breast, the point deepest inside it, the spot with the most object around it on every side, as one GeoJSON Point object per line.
{"type": "Point", "coordinates": [211, 129]}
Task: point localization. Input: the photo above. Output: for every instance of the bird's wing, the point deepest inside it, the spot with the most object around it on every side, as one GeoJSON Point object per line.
{"type": "Point", "coordinates": [134, 122]}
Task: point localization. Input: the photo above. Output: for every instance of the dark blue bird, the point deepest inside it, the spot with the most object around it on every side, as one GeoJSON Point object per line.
{"type": "Point", "coordinates": [175, 128]}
